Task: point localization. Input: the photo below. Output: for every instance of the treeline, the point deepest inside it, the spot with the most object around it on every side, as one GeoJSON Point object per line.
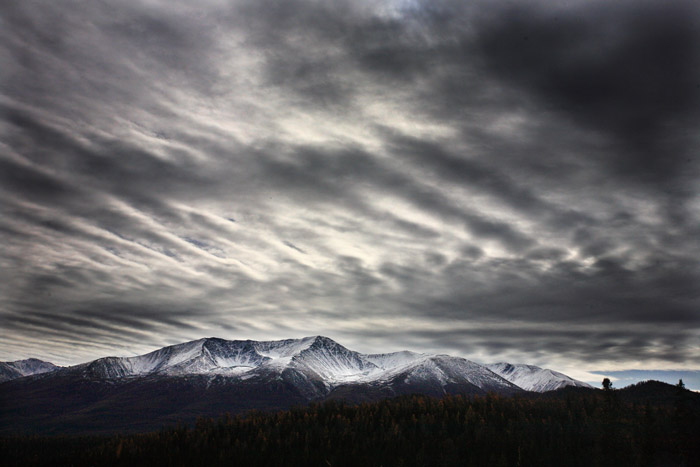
{"type": "Point", "coordinates": [594, 429]}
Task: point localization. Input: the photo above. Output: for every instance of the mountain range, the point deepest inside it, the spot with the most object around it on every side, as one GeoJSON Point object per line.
{"type": "Point", "coordinates": [210, 376]}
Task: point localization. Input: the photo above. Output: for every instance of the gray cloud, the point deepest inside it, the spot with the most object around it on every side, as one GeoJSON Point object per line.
{"type": "Point", "coordinates": [488, 180]}
{"type": "Point", "coordinates": [630, 71]}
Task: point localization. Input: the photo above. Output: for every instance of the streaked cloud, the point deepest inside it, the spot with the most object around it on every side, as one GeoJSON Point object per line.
{"type": "Point", "coordinates": [495, 180]}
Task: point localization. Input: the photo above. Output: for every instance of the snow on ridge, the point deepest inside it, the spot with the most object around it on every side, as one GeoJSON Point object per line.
{"type": "Point", "coordinates": [322, 359]}
{"type": "Point", "coordinates": [534, 378]}
{"type": "Point", "coordinates": [21, 368]}
{"type": "Point", "coordinates": [202, 356]}
{"type": "Point", "coordinates": [462, 370]}
{"type": "Point", "coordinates": [333, 362]}
{"type": "Point", "coordinates": [441, 369]}
{"type": "Point", "coordinates": [163, 358]}
{"type": "Point", "coordinates": [388, 361]}
{"type": "Point", "coordinates": [283, 348]}
{"type": "Point", "coordinates": [32, 366]}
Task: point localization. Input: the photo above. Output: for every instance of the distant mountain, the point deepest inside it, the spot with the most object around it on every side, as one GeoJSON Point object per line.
{"type": "Point", "coordinates": [318, 362]}
{"type": "Point", "coordinates": [534, 378]}
{"type": "Point", "coordinates": [211, 376]}
{"type": "Point", "coordinates": [20, 368]}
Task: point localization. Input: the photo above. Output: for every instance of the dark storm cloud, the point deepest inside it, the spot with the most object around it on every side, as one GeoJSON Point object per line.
{"type": "Point", "coordinates": [629, 70]}
{"type": "Point", "coordinates": [485, 178]}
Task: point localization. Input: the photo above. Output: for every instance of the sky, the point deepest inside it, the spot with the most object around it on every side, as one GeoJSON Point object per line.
{"type": "Point", "coordinates": [499, 180]}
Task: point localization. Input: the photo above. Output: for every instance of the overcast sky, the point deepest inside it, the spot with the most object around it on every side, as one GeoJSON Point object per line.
{"type": "Point", "coordinates": [497, 180]}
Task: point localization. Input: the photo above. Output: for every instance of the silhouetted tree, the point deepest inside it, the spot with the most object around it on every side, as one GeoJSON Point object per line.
{"type": "Point", "coordinates": [607, 384]}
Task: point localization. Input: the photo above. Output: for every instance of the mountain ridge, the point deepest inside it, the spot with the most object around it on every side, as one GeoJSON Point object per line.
{"type": "Point", "coordinates": [318, 357]}
{"type": "Point", "coordinates": [210, 376]}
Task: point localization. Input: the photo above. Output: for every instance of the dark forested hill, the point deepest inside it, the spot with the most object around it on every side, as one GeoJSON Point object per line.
{"type": "Point", "coordinates": [577, 428]}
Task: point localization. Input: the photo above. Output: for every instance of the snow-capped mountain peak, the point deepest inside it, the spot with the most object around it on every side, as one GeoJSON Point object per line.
{"type": "Point", "coordinates": [28, 367]}
{"type": "Point", "coordinates": [534, 378]}
{"type": "Point", "coordinates": [332, 362]}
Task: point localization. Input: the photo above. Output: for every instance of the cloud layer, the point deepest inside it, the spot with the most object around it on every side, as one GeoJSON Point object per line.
{"type": "Point", "coordinates": [495, 180]}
